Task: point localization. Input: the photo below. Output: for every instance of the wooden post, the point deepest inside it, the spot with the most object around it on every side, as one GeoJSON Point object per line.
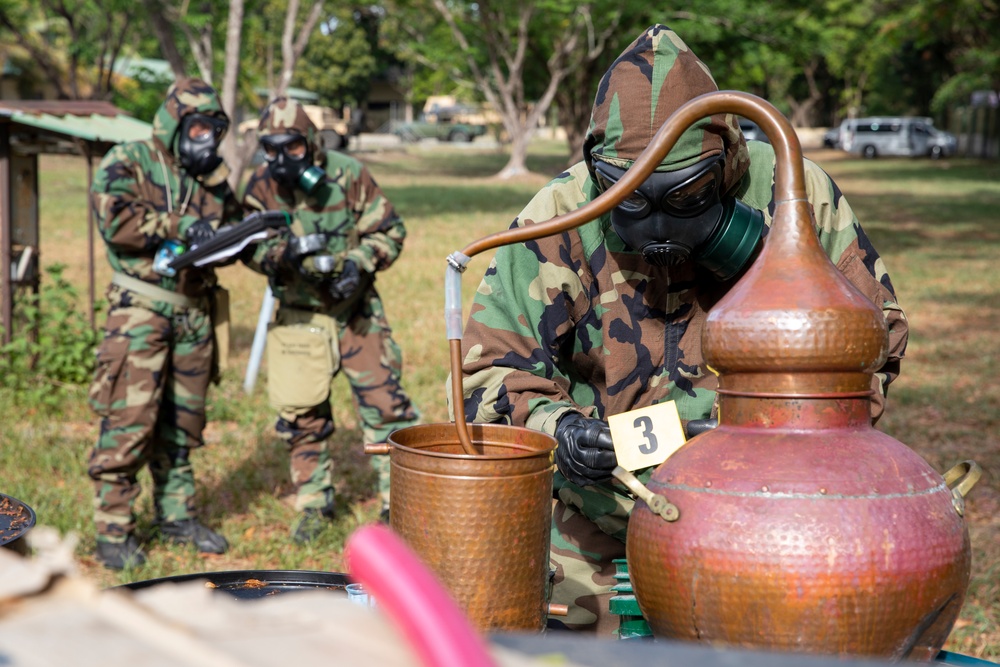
{"type": "Point", "coordinates": [6, 246]}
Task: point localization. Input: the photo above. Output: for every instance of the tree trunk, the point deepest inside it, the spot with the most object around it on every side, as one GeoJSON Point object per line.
{"type": "Point", "coordinates": [236, 150]}
{"type": "Point", "coordinates": [165, 36]}
{"type": "Point", "coordinates": [517, 162]}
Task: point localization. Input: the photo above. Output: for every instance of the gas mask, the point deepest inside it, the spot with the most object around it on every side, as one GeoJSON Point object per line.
{"type": "Point", "coordinates": [678, 216]}
{"type": "Point", "coordinates": [198, 143]}
{"type": "Point", "coordinates": [289, 161]}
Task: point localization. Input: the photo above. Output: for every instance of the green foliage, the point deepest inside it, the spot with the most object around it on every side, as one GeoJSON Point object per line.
{"type": "Point", "coordinates": [40, 370]}
{"type": "Point", "coordinates": [141, 96]}
{"type": "Point", "coordinates": [341, 58]}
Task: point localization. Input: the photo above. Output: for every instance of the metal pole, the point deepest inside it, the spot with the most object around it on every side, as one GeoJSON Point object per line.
{"type": "Point", "coordinates": [90, 235]}
{"type": "Point", "coordinates": [259, 338]}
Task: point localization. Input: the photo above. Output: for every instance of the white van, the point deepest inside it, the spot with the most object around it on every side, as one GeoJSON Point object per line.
{"type": "Point", "coordinates": [903, 136]}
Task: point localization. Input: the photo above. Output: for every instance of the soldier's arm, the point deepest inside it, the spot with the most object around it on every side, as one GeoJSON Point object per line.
{"type": "Point", "coordinates": [848, 246]}
{"type": "Point", "coordinates": [264, 257]}
{"type": "Point", "coordinates": [130, 206]}
{"type": "Point", "coordinates": [380, 229]}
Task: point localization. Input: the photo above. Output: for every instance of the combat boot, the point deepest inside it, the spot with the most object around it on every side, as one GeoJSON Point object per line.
{"type": "Point", "coordinates": [119, 555]}
{"type": "Point", "coordinates": [191, 531]}
{"type": "Point", "coordinates": [311, 524]}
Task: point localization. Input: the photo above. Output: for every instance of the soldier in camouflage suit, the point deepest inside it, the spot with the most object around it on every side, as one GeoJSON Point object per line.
{"type": "Point", "coordinates": [570, 329]}
{"type": "Point", "coordinates": [155, 362]}
{"type": "Point", "coordinates": [330, 316]}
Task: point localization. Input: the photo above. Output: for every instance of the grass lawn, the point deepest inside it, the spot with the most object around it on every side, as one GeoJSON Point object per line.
{"type": "Point", "coordinates": [934, 223]}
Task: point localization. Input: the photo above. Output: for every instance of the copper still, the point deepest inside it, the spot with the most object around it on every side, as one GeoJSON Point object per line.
{"type": "Point", "coordinates": [480, 522]}
{"type": "Point", "coordinates": [795, 525]}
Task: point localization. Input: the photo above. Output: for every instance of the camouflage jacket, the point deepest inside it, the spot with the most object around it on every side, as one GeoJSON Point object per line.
{"type": "Point", "coordinates": [348, 208]}
{"type": "Point", "coordinates": [141, 196]}
{"type": "Point", "coordinates": [580, 322]}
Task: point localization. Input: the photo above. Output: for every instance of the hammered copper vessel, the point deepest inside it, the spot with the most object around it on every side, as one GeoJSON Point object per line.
{"type": "Point", "coordinates": [480, 522]}
{"type": "Point", "coordinates": [798, 526]}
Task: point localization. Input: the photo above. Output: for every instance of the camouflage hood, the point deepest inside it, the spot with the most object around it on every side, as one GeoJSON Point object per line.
{"type": "Point", "coordinates": [653, 77]}
{"type": "Point", "coordinates": [284, 116]}
{"type": "Point", "coordinates": [186, 96]}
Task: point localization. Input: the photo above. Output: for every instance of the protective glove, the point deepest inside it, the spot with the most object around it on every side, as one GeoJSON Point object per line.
{"type": "Point", "coordinates": [699, 426]}
{"type": "Point", "coordinates": [199, 232]}
{"type": "Point", "coordinates": [585, 454]}
{"type": "Point", "coordinates": [347, 283]}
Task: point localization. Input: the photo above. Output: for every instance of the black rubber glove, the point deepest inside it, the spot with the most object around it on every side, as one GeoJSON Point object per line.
{"type": "Point", "coordinates": [199, 232]}
{"type": "Point", "coordinates": [699, 426]}
{"type": "Point", "coordinates": [585, 454]}
{"type": "Point", "coordinates": [346, 284]}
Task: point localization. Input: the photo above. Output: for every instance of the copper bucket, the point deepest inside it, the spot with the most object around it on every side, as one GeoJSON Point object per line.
{"type": "Point", "coordinates": [480, 522]}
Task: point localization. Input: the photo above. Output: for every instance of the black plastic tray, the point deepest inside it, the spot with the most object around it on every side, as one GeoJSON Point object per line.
{"type": "Point", "coordinates": [16, 521]}
{"type": "Point", "coordinates": [255, 584]}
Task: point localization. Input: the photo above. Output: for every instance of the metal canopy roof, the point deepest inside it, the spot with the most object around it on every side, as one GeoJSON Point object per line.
{"type": "Point", "coordinates": [91, 121]}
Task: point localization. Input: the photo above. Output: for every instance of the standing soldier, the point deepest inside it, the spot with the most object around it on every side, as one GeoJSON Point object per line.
{"type": "Point", "coordinates": [156, 360]}
{"type": "Point", "coordinates": [330, 316]}
{"type": "Point", "coordinates": [571, 328]}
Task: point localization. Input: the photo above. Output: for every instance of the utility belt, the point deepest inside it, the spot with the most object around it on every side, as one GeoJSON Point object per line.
{"type": "Point", "coordinates": [156, 293]}
{"type": "Point", "coordinates": [216, 303]}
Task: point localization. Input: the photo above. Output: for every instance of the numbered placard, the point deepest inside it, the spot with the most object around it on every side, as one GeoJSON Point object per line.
{"type": "Point", "coordinates": [645, 437]}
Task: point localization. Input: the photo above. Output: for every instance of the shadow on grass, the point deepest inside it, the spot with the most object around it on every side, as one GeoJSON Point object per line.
{"type": "Point", "coordinates": [264, 472]}
{"type": "Point", "coordinates": [475, 200]}
{"type": "Point", "coordinates": [476, 164]}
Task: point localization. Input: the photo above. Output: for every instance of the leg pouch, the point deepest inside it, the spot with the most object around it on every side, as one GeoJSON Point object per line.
{"type": "Point", "coordinates": [300, 365]}
{"type": "Point", "coordinates": [111, 357]}
{"type": "Point", "coordinates": [220, 328]}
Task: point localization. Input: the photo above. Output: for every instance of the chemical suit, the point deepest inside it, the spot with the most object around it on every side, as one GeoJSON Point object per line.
{"type": "Point", "coordinates": [599, 320]}
{"type": "Point", "coordinates": [330, 317]}
{"type": "Point", "coordinates": [156, 359]}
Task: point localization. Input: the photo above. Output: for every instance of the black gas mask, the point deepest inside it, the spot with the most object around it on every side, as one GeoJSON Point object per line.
{"type": "Point", "coordinates": [678, 216]}
{"type": "Point", "coordinates": [289, 161]}
{"type": "Point", "coordinates": [198, 143]}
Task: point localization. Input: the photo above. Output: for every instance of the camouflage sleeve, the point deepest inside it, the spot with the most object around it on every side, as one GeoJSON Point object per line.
{"type": "Point", "coordinates": [380, 229]}
{"type": "Point", "coordinates": [130, 204]}
{"type": "Point", "coordinates": [846, 243]}
{"type": "Point", "coordinates": [265, 256]}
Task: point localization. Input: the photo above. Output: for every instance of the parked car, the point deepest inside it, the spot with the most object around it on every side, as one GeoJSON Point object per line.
{"type": "Point", "coordinates": [752, 132]}
{"type": "Point", "coordinates": [442, 131]}
{"type": "Point", "coordinates": [901, 136]}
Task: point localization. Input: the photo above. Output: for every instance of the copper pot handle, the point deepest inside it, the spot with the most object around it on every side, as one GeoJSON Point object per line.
{"type": "Point", "coordinates": [966, 474]}
{"type": "Point", "coordinates": [657, 503]}
{"type": "Point", "coordinates": [380, 448]}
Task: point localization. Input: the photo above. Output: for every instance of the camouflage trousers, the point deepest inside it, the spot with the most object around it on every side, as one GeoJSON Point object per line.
{"type": "Point", "coordinates": [582, 556]}
{"type": "Point", "coordinates": [149, 388]}
{"type": "Point", "coordinates": [360, 343]}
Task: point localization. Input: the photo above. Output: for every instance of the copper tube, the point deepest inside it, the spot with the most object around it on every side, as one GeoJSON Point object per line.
{"type": "Point", "coordinates": [556, 609]}
{"type": "Point", "coordinates": [458, 396]}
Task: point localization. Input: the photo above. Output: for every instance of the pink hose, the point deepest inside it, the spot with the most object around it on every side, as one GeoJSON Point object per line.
{"type": "Point", "coordinates": [410, 595]}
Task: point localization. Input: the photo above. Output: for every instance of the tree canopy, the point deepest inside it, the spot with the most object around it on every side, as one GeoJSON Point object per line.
{"type": "Point", "coordinates": [816, 60]}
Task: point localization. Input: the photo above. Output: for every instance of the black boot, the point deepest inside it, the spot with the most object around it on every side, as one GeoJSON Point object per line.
{"type": "Point", "coordinates": [191, 531]}
{"type": "Point", "coordinates": [311, 524]}
{"type": "Point", "coordinates": [119, 555]}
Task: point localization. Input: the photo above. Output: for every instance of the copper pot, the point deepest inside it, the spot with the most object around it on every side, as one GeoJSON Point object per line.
{"type": "Point", "coordinates": [480, 522]}
{"type": "Point", "coordinates": [795, 525]}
